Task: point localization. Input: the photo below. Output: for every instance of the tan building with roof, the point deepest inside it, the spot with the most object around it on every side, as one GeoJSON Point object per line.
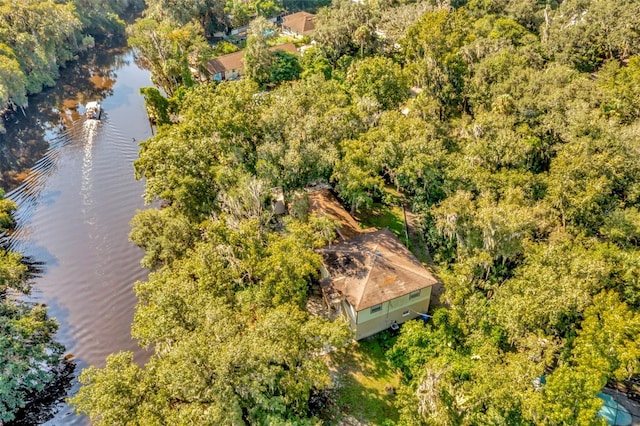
{"type": "Point", "coordinates": [231, 66]}
{"type": "Point", "coordinates": [299, 24]}
{"type": "Point", "coordinates": [370, 276]}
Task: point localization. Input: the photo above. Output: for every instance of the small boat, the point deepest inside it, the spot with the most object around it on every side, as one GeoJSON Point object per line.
{"type": "Point", "coordinates": [93, 110]}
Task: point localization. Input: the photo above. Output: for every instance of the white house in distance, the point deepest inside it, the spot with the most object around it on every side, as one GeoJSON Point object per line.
{"type": "Point", "coordinates": [370, 276]}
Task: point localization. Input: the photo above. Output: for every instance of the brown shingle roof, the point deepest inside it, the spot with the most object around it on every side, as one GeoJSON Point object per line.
{"type": "Point", "coordinates": [287, 47]}
{"type": "Point", "coordinates": [374, 268]}
{"type": "Point", "coordinates": [323, 202]}
{"type": "Point", "coordinates": [302, 23]}
{"type": "Point", "coordinates": [225, 63]}
{"type": "Point", "coordinates": [233, 61]}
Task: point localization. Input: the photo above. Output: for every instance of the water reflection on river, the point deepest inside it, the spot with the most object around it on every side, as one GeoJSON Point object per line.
{"type": "Point", "coordinates": [73, 182]}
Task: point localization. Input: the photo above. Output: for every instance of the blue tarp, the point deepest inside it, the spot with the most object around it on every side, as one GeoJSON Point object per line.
{"type": "Point", "coordinates": [613, 413]}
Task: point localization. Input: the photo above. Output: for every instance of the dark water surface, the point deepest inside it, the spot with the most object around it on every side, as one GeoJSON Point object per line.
{"type": "Point", "coordinates": [73, 181]}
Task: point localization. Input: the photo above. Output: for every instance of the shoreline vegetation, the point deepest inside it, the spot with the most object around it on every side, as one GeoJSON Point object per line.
{"type": "Point", "coordinates": [36, 39]}
{"type": "Point", "coordinates": [30, 359]}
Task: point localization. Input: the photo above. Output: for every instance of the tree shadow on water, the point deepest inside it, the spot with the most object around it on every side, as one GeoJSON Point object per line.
{"type": "Point", "coordinates": [42, 406]}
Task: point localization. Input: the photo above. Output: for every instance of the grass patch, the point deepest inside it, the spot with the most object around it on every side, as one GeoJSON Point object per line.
{"type": "Point", "coordinates": [383, 216]}
{"type": "Point", "coordinates": [366, 382]}
{"type": "Point", "coordinates": [389, 214]}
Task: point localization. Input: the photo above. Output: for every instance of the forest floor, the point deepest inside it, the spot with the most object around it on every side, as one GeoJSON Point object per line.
{"type": "Point", "coordinates": [382, 216]}
{"type": "Point", "coordinates": [365, 383]}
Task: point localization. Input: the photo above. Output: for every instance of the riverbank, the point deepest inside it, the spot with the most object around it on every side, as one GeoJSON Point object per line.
{"type": "Point", "coordinates": [30, 130]}
{"type": "Point", "coordinates": [40, 38]}
{"type": "Point", "coordinates": [73, 182]}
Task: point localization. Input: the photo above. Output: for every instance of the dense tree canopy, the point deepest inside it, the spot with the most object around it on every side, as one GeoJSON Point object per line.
{"type": "Point", "coordinates": [28, 354]}
{"type": "Point", "coordinates": [510, 127]}
{"type": "Point", "coordinates": [37, 37]}
{"type": "Point", "coordinates": [257, 56]}
{"type": "Point", "coordinates": [164, 49]}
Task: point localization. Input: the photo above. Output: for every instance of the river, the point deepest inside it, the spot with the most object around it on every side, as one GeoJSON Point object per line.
{"type": "Point", "coordinates": [73, 182]}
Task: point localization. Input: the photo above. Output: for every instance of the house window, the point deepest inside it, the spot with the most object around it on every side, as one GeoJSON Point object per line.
{"type": "Point", "coordinates": [376, 308]}
{"type": "Point", "coordinates": [414, 294]}
{"type": "Point", "coordinates": [406, 313]}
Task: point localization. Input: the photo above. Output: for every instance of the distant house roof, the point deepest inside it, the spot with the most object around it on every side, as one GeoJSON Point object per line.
{"type": "Point", "coordinates": [302, 23]}
{"type": "Point", "coordinates": [323, 202]}
{"type": "Point", "coordinates": [233, 61]}
{"type": "Point", "coordinates": [373, 268]}
{"type": "Point", "coordinates": [225, 63]}
{"type": "Point", "coordinates": [287, 47]}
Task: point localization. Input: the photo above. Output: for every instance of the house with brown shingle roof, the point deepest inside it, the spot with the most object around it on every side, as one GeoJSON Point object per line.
{"type": "Point", "coordinates": [299, 24]}
{"type": "Point", "coordinates": [370, 276]}
{"type": "Point", "coordinates": [231, 66]}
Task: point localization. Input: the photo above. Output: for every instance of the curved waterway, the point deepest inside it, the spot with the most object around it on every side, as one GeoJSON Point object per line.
{"type": "Point", "coordinates": [76, 194]}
